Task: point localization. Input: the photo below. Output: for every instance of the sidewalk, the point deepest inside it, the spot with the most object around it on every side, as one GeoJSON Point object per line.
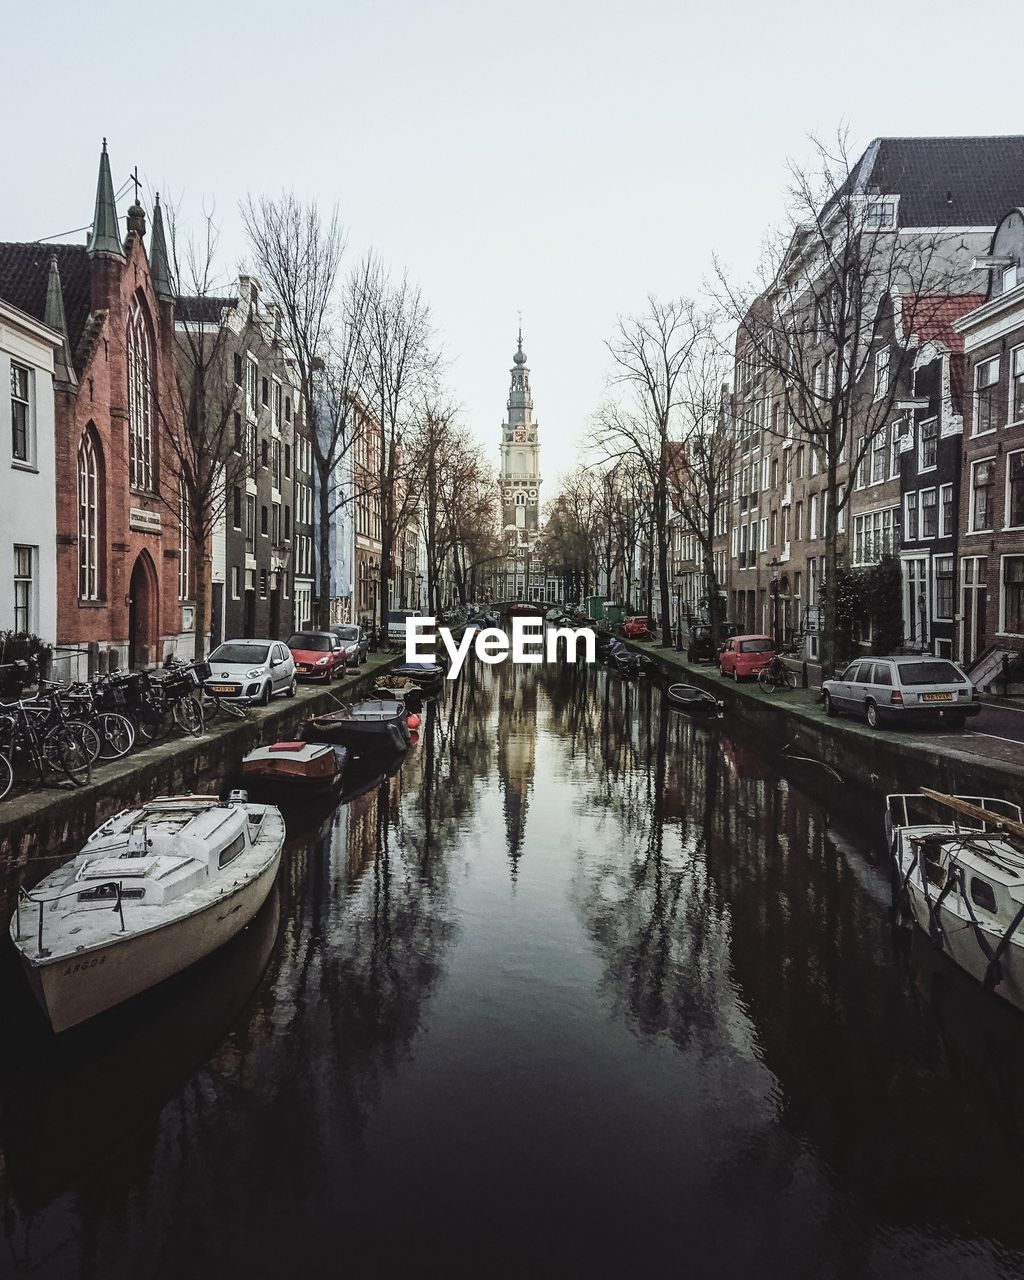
{"type": "Point", "coordinates": [958, 756]}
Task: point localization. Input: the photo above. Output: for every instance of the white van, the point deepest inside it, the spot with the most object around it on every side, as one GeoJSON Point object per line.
{"type": "Point", "coordinates": [397, 619]}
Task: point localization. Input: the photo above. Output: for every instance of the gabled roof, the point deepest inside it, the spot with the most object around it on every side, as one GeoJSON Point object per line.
{"type": "Point", "coordinates": [931, 319]}
{"type": "Point", "coordinates": [946, 182]}
{"type": "Point", "coordinates": [24, 275]}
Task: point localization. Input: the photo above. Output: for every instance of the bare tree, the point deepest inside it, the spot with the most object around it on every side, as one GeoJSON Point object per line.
{"type": "Point", "coordinates": [297, 254]}
{"type": "Point", "coordinates": [702, 474]}
{"type": "Point", "coordinates": [650, 353]}
{"type": "Point", "coordinates": [401, 368]}
{"type": "Point", "coordinates": [815, 330]}
{"type": "Point", "coordinates": [198, 422]}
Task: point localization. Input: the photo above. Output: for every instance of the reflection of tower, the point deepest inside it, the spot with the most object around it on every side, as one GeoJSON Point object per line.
{"type": "Point", "coordinates": [517, 747]}
{"type": "Point", "coordinates": [520, 482]}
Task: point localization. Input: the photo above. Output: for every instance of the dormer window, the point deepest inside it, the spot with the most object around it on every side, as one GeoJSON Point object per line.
{"type": "Point", "coordinates": [880, 215]}
{"type": "Point", "coordinates": [1009, 278]}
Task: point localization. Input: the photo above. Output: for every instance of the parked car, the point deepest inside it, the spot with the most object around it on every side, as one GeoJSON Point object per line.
{"type": "Point", "coordinates": [319, 655]}
{"type": "Point", "coordinates": [639, 627]}
{"type": "Point", "coordinates": [396, 625]}
{"type": "Point", "coordinates": [745, 656]}
{"type": "Point", "coordinates": [254, 670]}
{"type": "Point", "coordinates": [903, 689]}
{"type": "Point", "coordinates": [699, 647]}
{"type": "Point", "coordinates": [355, 641]}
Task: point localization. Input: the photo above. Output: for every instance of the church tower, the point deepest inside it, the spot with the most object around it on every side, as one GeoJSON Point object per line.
{"type": "Point", "coordinates": [520, 482]}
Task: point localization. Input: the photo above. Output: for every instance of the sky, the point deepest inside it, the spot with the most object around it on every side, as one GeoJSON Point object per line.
{"type": "Point", "coordinates": [559, 159]}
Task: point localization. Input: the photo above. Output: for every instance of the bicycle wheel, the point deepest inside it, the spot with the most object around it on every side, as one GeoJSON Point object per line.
{"type": "Point", "coordinates": [766, 679]}
{"type": "Point", "coordinates": [791, 679]}
{"type": "Point", "coordinates": [68, 749]}
{"type": "Point", "coordinates": [6, 776]}
{"type": "Point", "coordinates": [188, 716]}
{"type": "Point", "coordinates": [237, 710]}
{"type": "Point", "coordinates": [211, 708]}
{"type": "Point", "coordinates": [117, 735]}
{"type": "Point", "coordinates": [153, 723]}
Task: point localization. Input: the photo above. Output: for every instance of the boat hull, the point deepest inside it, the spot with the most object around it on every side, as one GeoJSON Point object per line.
{"type": "Point", "coordinates": [360, 736]}
{"type": "Point", "coordinates": [961, 946]}
{"type": "Point", "coordinates": [74, 988]}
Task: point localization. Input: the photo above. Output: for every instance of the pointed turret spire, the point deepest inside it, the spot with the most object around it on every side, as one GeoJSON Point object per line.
{"type": "Point", "coordinates": [53, 315]}
{"type": "Point", "coordinates": [104, 240]}
{"type": "Point", "coordinates": [159, 265]}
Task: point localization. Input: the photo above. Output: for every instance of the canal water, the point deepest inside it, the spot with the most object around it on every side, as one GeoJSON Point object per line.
{"type": "Point", "coordinates": [582, 987]}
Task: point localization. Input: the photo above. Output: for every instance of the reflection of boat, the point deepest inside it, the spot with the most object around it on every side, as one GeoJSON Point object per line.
{"type": "Point", "coordinates": [293, 770]}
{"type": "Point", "coordinates": [698, 702]}
{"type": "Point", "coordinates": [366, 773]}
{"type": "Point", "coordinates": [69, 1103]}
{"type": "Point", "coordinates": [377, 723]}
{"type": "Point", "coordinates": [959, 868]}
{"type": "Point", "coordinates": [153, 890]}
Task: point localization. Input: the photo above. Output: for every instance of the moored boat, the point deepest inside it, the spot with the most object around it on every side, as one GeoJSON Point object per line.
{"type": "Point", "coordinates": [959, 875]}
{"type": "Point", "coordinates": [698, 702]}
{"type": "Point", "coordinates": [295, 769]}
{"type": "Point", "coordinates": [363, 726]}
{"type": "Point", "coordinates": [152, 891]}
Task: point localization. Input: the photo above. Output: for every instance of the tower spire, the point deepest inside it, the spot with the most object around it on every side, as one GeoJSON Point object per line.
{"type": "Point", "coordinates": [53, 316]}
{"type": "Point", "coordinates": [104, 241]}
{"type": "Point", "coordinates": [159, 266]}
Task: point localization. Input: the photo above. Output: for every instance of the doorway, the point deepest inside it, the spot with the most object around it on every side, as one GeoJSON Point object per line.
{"type": "Point", "coordinates": [142, 614]}
{"type": "Point", "coordinates": [973, 607]}
{"type": "Point", "coordinates": [916, 609]}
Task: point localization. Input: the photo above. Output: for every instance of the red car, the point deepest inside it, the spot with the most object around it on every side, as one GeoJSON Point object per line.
{"type": "Point", "coordinates": [639, 627]}
{"type": "Point", "coordinates": [319, 655]}
{"type": "Point", "coordinates": [745, 656]}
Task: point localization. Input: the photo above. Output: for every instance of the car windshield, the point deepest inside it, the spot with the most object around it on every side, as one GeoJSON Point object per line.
{"type": "Point", "coordinates": [400, 615]}
{"type": "Point", "coordinates": [755, 646]}
{"type": "Point", "coordinates": [929, 673]}
{"type": "Point", "coordinates": [238, 651]}
{"type": "Point", "coordinates": [347, 633]}
{"type": "Point", "coordinates": [310, 640]}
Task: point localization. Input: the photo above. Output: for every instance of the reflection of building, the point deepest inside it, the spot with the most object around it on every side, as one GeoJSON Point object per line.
{"type": "Point", "coordinates": [522, 577]}
{"type": "Point", "coordinates": [517, 749]}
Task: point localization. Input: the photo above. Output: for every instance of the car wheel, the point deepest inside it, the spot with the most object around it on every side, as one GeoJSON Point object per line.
{"type": "Point", "coordinates": [828, 704]}
{"type": "Point", "coordinates": [292, 688]}
{"type": "Point", "coordinates": [264, 698]}
{"type": "Point", "coordinates": [871, 711]}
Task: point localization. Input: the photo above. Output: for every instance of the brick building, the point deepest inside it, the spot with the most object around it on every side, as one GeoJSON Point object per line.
{"type": "Point", "coordinates": [990, 547]}
{"type": "Point", "coordinates": [118, 533]}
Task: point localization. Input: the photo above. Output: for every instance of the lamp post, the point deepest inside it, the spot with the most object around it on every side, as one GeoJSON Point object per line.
{"type": "Point", "coordinates": [419, 591]}
{"type": "Point", "coordinates": [678, 580]}
{"type": "Point", "coordinates": [773, 587]}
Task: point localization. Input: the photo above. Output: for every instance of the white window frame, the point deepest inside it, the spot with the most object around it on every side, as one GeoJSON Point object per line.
{"type": "Point", "coordinates": [992, 361]}
{"type": "Point", "coordinates": [922, 536]}
{"type": "Point", "coordinates": [922, 466]}
{"type": "Point", "coordinates": [943, 531]}
{"type": "Point", "coordinates": [236, 582]}
{"type": "Point", "coordinates": [1012, 555]}
{"type": "Point", "coordinates": [1016, 357]}
{"type": "Point", "coordinates": [1013, 453]}
{"type": "Point", "coordinates": [812, 519]}
{"type": "Point", "coordinates": [89, 499]}
{"type": "Point", "coordinates": [989, 528]}
{"type": "Point", "coordinates": [883, 357]}
{"type": "Point", "coordinates": [24, 588]}
{"type": "Point", "coordinates": [936, 561]}
{"type": "Point", "coordinates": [140, 402]}
{"type": "Point", "coordinates": [28, 401]}
{"type": "Point", "coordinates": [911, 515]}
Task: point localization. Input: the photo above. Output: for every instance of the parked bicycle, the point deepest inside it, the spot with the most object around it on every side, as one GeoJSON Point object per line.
{"type": "Point", "coordinates": [776, 675]}
{"type": "Point", "coordinates": [33, 735]}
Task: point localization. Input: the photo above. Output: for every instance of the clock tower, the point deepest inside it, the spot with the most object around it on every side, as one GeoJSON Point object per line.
{"type": "Point", "coordinates": [519, 481]}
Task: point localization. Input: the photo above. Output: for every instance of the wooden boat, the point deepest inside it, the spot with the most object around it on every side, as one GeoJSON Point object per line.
{"type": "Point", "coordinates": [153, 890]}
{"type": "Point", "coordinates": [295, 769]}
{"type": "Point", "coordinates": [959, 875]}
{"type": "Point", "coordinates": [424, 675]}
{"type": "Point", "coordinates": [698, 702]}
{"type": "Point", "coordinates": [363, 726]}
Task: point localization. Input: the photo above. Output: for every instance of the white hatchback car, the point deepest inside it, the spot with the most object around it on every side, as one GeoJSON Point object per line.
{"type": "Point", "coordinates": [253, 670]}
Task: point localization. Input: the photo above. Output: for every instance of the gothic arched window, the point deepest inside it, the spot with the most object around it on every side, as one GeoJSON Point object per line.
{"type": "Point", "coordinates": [89, 498]}
{"type": "Point", "coordinates": [140, 401]}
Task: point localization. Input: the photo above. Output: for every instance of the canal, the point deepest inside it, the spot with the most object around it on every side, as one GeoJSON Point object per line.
{"type": "Point", "coordinates": [581, 987]}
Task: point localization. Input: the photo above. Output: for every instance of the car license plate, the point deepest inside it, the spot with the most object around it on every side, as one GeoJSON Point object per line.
{"type": "Point", "coordinates": [936, 697]}
{"type": "Point", "coordinates": [221, 688]}
{"type": "Point", "coordinates": [304, 666]}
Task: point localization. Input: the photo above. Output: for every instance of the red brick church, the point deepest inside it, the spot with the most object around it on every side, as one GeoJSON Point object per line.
{"type": "Point", "coordinates": [124, 595]}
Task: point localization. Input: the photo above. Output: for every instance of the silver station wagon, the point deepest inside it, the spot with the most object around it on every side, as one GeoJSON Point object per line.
{"type": "Point", "coordinates": [902, 690]}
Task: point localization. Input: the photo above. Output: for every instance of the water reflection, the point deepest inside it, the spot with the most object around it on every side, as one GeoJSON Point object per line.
{"type": "Point", "coordinates": [578, 982]}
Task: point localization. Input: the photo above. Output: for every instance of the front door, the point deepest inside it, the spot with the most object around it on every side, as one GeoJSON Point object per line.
{"type": "Point", "coordinates": [973, 608]}
{"type": "Point", "coordinates": [249, 619]}
{"type": "Point", "coordinates": [915, 602]}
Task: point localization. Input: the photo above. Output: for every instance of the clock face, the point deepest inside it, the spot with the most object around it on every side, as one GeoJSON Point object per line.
{"type": "Point", "coordinates": [520, 437]}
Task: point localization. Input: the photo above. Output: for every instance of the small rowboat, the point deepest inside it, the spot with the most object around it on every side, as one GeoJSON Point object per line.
{"type": "Point", "coordinates": [376, 724]}
{"type": "Point", "coordinates": [295, 769]}
{"type": "Point", "coordinates": [698, 702]}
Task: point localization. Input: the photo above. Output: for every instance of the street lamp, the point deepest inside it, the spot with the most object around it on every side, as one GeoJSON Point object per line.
{"type": "Point", "coordinates": [773, 588]}
{"type": "Point", "coordinates": [419, 591]}
{"type": "Point", "coordinates": [678, 579]}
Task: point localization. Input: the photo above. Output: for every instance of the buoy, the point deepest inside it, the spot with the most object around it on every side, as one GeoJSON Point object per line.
{"type": "Point", "coordinates": [413, 721]}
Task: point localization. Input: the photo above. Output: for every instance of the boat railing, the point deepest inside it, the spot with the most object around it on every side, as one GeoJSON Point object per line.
{"type": "Point", "coordinates": [911, 808]}
{"type": "Point", "coordinates": [26, 899]}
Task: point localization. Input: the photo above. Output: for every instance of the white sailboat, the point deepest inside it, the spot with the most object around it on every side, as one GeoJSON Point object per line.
{"type": "Point", "coordinates": [153, 890]}
{"type": "Point", "coordinates": [960, 875]}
